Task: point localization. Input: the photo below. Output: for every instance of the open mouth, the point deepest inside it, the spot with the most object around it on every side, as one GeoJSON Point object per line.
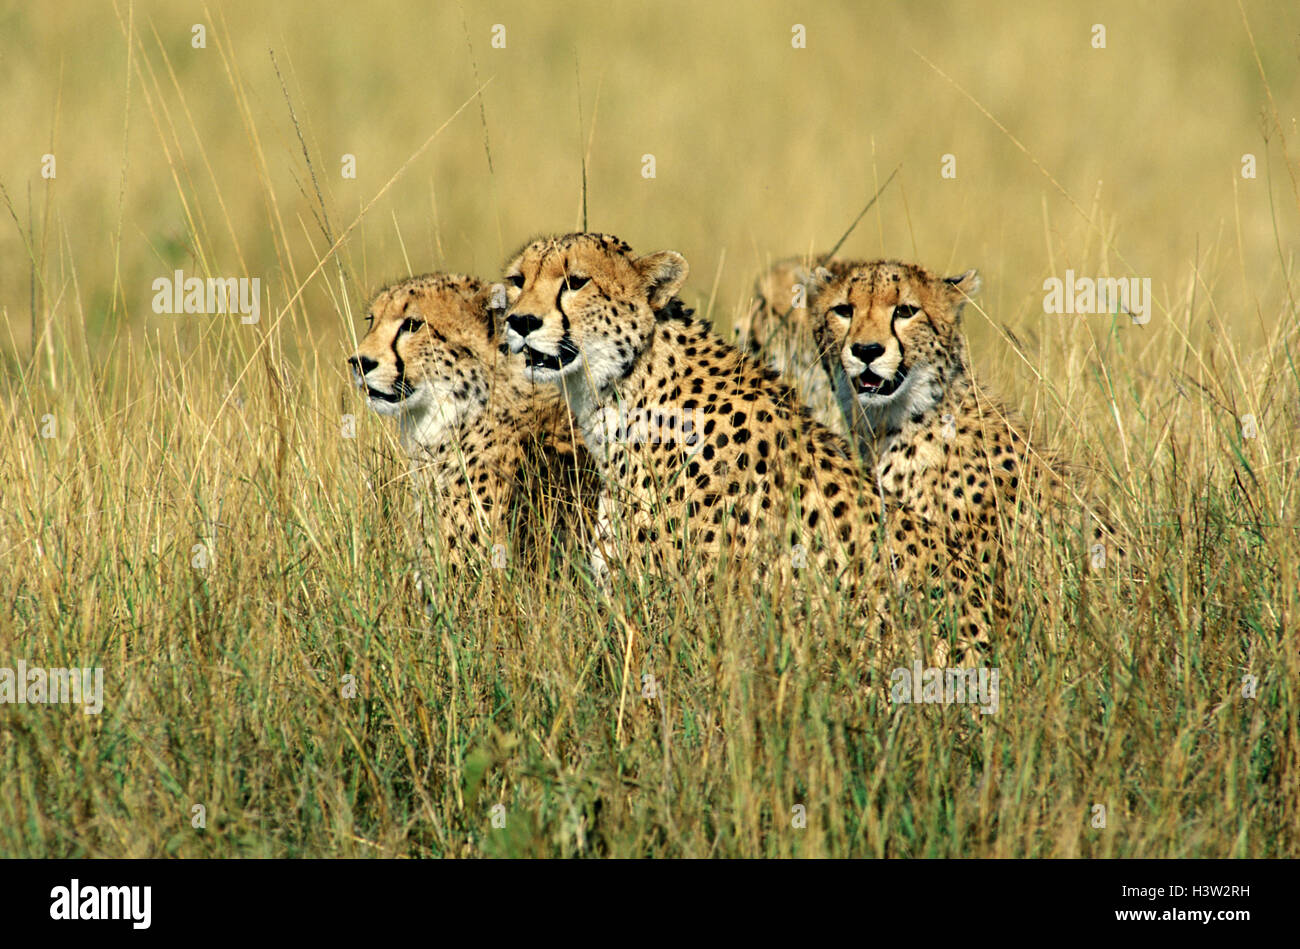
{"type": "Point", "coordinates": [868, 383]}
{"type": "Point", "coordinates": [535, 359]}
{"type": "Point", "coordinates": [385, 396]}
{"type": "Point", "coordinates": [401, 390]}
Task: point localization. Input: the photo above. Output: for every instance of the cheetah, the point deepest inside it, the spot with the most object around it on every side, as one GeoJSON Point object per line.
{"type": "Point", "coordinates": [704, 454]}
{"type": "Point", "coordinates": [777, 329]}
{"type": "Point", "coordinates": [495, 453]}
{"type": "Point", "coordinates": [944, 453]}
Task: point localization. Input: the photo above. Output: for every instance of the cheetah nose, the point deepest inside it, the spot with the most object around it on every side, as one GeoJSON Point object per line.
{"type": "Point", "coordinates": [867, 353]}
{"type": "Point", "coordinates": [523, 323]}
{"type": "Point", "coordinates": [362, 364]}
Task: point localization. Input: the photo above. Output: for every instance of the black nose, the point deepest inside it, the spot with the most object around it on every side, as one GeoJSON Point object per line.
{"type": "Point", "coordinates": [523, 323]}
{"type": "Point", "coordinates": [867, 353]}
{"type": "Point", "coordinates": [362, 364]}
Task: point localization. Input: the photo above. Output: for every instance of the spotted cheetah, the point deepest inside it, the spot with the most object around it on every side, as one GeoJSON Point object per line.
{"type": "Point", "coordinates": [778, 330]}
{"type": "Point", "coordinates": [704, 454]}
{"type": "Point", "coordinates": [495, 452]}
{"type": "Point", "coordinates": [944, 452]}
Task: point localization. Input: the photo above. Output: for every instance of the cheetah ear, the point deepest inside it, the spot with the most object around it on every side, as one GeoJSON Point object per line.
{"type": "Point", "coordinates": [663, 275]}
{"type": "Point", "coordinates": [805, 274]}
{"type": "Point", "coordinates": [491, 302]}
{"type": "Point", "coordinates": [966, 285]}
{"type": "Point", "coordinates": [814, 279]}
{"type": "Point", "coordinates": [497, 299]}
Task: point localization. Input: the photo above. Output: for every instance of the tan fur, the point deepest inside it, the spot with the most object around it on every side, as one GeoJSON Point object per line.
{"type": "Point", "coordinates": [752, 468]}
{"type": "Point", "coordinates": [494, 452]}
{"type": "Point", "coordinates": [952, 460]}
{"type": "Point", "coordinates": [778, 329]}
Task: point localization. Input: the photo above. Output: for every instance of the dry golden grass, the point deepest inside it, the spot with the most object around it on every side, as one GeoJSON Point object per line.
{"type": "Point", "coordinates": [224, 684]}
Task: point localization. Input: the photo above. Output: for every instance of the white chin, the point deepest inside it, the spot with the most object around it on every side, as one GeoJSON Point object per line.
{"type": "Point", "coordinates": [870, 400]}
{"type": "Point", "coordinates": [383, 407]}
{"type": "Point", "coordinates": [415, 402]}
{"type": "Point", "coordinates": [543, 375]}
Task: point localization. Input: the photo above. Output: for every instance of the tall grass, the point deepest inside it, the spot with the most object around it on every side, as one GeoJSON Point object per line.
{"type": "Point", "coordinates": [299, 690]}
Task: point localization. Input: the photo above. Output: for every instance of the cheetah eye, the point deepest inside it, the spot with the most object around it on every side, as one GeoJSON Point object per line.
{"type": "Point", "coordinates": [575, 282]}
{"type": "Point", "coordinates": [904, 311]}
{"type": "Point", "coordinates": [410, 326]}
{"type": "Point", "coordinates": [517, 280]}
{"type": "Point", "coordinates": [844, 311]}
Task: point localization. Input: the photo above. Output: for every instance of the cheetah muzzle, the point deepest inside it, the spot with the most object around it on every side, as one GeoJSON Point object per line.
{"type": "Point", "coordinates": [536, 359]}
{"type": "Point", "coordinates": [519, 327]}
{"type": "Point", "coordinates": [869, 384]}
{"type": "Point", "coordinates": [361, 367]}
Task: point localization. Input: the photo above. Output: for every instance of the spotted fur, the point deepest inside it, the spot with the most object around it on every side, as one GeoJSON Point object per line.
{"type": "Point", "coordinates": [953, 460]}
{"type": "Point", "coordinates": [495, 453]}
{"type": "Point", "coordinates": [778, 329]}
{"type": "Point", "coordinates": [700, 449]}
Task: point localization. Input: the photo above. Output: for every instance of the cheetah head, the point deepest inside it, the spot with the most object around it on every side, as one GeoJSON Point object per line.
{"type": "Point", "coordinates": [585, 304]}
{"type": "Point", "coordinates": [429, 353]}
{"type": "Point", "coordinates": [887, 329]}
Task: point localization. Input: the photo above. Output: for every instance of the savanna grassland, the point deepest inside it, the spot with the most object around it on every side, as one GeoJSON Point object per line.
{"type": "Point", "coordinates": [184, 501]}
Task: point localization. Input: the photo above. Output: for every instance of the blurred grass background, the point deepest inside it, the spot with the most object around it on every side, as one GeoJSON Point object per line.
{"type": "Point", "coordinates": [223, 683]}
{"type": "Point", "coordinates": [760, 148]}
